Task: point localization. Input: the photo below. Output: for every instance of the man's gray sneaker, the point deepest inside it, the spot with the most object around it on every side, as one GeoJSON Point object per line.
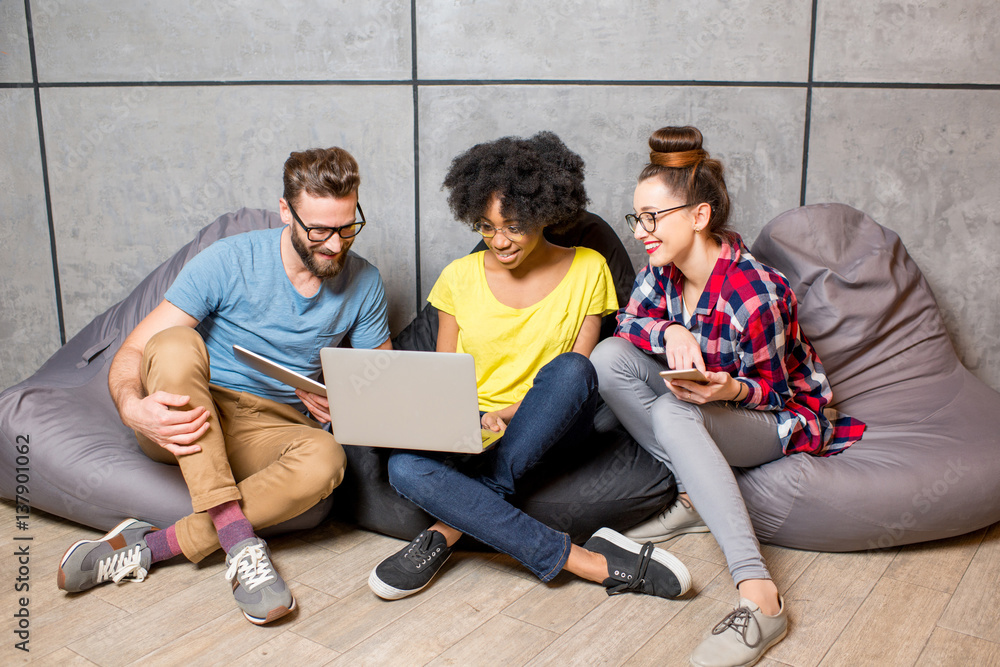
{"type": "Point", "coordinates": [742, 637]}
{"type": "Point", "coordinates": [639, 568]}
{"type": "Point", "coordinates": [120, 555]}
{"type": "Point", "coordinates": [259, 590]}
{"type": "Point", "coordinates": [411, 568]}
{"type": "Point", "coordinates": [678, 519]}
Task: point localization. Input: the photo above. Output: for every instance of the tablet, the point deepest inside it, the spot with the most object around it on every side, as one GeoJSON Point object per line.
{"type": "Point", "coordinates": [278, 372]}
{"type": "Point", "coordinates": [692, 374]}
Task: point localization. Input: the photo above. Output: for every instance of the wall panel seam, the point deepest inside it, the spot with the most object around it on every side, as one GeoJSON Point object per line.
{"type": "Point", "coordinates": [45, 175]}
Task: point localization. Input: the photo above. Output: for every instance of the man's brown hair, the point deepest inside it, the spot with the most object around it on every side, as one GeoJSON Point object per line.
{"type": "Point", "coordinates": [321, 172]}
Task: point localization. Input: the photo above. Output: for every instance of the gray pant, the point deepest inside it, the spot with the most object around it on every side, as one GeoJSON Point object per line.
{"type": "Point", "coordinates": [697, 443]}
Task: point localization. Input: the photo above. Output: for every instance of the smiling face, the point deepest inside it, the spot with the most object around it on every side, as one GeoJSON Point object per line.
{"type": "Point", "coordinates": [324, 259]}
{"type": "Point", "coordinates": [509, 254]}
{"type": "Point", "coordinates": [673, 236]}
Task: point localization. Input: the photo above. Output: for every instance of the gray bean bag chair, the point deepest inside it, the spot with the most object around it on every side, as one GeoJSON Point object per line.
{"type": "Point", "coordinates": [928, 466]}
{"type": "Point", "coordinates": [85, 465]}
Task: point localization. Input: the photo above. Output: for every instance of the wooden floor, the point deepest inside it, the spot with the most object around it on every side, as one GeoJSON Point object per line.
{"type": "Point", "coordinates": [932, 604]}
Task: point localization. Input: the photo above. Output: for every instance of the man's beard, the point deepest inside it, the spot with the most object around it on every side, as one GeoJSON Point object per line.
{"type": "Point", "coordinates": [320, 270]}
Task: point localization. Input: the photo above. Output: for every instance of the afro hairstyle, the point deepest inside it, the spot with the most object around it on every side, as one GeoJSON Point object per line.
{"type": "Point", "coordinates": [539, 181]}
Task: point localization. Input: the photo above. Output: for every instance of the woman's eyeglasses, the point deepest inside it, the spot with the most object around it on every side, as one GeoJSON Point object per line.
{"type": "Point", "coordinates": [648, 218]}
{"type": "Point", "coordinates": [512, 232]}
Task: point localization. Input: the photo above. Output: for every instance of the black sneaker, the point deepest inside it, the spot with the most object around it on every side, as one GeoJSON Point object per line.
{"type": "Point", "coordinates": [639, 568]}
{"type": "Point", "coordinates": [411, 568]}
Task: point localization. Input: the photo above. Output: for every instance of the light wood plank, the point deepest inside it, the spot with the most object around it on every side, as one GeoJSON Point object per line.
{"type": "Point", "coordinates": [939, 565]}
{"type": "Point", "coordinates": [229, 636]}
{"type": "Point", "coordinates": [288, 649]}
{"type": "Point", "coordinates": [349, 570]}
{"type": "Point", "coordinates": [697, 545]}
{"type": "Point", "coordinates": [891, 626]}
{"type": "Point", "coordinates": [336, 536]}
{"type": "Point", "coordinates": [501, 641]}
{"type": "Point", "coordinates": [350, 620]}
{"type": "Point", "coordinates": [164, 580]}
{"type": "Point", "coordinates": [947, 648]}
{"type": "Point", "coordinates": [565, 600]}
{"type": "Point", "coordinates": [673, 643]}
{"type": "Point", "coordinates": [42, 526]}
{"type": "Point", "coordinates": [198, 605]}
{"type": "Point", "coordinates": [67, 658]}
{"type": "Point", "coordinates": [824, 599]}
{"type": "Point", "coordinates": [67, 623]}
{"type": "Point", "coordinates": [440, 621]}
{"type": "Point", "coordinates": [973, 609]}
{"type": "Point", "coordinates": [785, 566]}
{"type": "Point", "coordinates": [557, 605]}
{"type": "Point", "coordinates": [831, 603]}
{"type": "Point", "coordinates": [612, 632]}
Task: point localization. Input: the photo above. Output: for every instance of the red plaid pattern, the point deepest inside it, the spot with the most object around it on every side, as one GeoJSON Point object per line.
{"type": "Point", "coordinates": [747, 325]}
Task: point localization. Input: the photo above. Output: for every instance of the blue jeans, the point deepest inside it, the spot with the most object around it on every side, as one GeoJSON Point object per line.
{"type": "Point", "coordinates": [470, 493]}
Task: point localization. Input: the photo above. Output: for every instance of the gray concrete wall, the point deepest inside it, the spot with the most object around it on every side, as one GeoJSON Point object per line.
{"type": "Point", "coordinates": [128, 127]}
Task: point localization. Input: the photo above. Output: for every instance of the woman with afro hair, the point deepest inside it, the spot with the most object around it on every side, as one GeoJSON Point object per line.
{"type": "Point", "coordinates": [529, 312]}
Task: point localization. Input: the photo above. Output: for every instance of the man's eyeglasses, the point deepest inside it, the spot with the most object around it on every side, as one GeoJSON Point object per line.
{"type": "Point", "coordinates": [512, 232]}
{"type": "Point", "coordinates": [648, 218]}
{"type": "Point", "coordinates": [320, 234]}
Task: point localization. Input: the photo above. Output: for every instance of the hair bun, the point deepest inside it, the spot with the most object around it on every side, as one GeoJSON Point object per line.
{"type": "Point", "coordinates": [676, 147]}
{"type": "Point", "coordinates": [678, 159]}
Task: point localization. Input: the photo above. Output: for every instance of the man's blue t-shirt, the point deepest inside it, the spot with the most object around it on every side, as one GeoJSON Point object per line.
{"type": "Point", "coordinates": [238, 289]}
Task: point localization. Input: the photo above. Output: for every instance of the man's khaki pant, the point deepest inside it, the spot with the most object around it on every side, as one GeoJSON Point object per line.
{"type": "Point", "coordinates": [268, 455]}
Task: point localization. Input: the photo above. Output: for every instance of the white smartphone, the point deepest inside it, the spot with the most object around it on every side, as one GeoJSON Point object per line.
{"type": "Point", "coordinates": [692, 374]}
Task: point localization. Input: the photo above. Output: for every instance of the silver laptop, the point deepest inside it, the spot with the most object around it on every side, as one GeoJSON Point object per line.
{"type": "Point", "coordinates": [405, 400]}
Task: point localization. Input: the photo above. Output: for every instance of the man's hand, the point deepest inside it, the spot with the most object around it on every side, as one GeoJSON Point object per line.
{"type": "Point", "coordinates": [174, 430]}
{"type": "Point", "coordinates": [720, 387]}
{"type": "Point", "coordinates": [318, 406]}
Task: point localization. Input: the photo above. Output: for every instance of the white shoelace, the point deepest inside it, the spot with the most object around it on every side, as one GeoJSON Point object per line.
{"type": "Point", "coordinates": [123, 565]}
{"type": "Point", "coordinates": [253, 566]}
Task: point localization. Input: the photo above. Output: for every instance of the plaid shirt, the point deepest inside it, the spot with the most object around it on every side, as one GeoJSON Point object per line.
{"type": "Point", "coordinates": [746, 324]}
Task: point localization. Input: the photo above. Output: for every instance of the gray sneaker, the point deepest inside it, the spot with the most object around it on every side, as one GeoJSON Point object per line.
{"type": "Point", "coordinates": [259, 590]}
{"type": "Point", "coordinates": [678, 519]}
{"type": "Point", "coordinates": [120, 555]}
{"type": "Point", "coordinates": [742, 637]}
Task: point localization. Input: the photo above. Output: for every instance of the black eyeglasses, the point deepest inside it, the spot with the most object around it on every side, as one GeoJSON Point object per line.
{"type": "Point", "coordinates": [320, 234]}
{"type": "Point", "coordinates": [648, 218]}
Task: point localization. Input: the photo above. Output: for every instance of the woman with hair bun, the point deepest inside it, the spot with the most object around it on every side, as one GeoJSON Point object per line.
{"type": "Point", "coordinates": [704, 302]}
{"type": "Point", "coordinates": [529, 312]}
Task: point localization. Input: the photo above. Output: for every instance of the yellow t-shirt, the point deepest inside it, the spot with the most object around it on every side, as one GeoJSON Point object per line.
{"type": "Point", "coordinates": [510, 345]}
